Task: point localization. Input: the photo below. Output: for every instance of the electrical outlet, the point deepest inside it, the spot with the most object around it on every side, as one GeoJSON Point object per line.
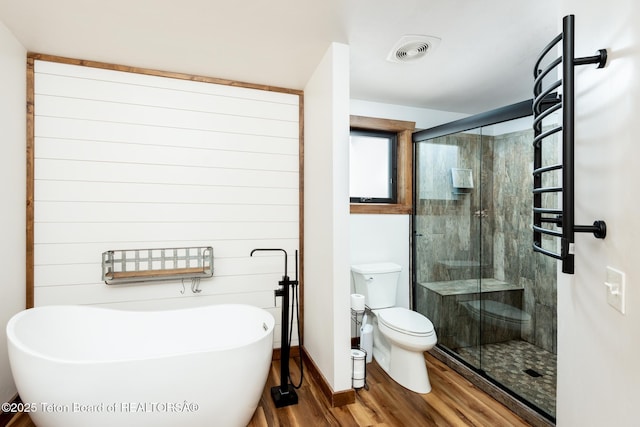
{"type": "Point", "coordinates": [615, 288]}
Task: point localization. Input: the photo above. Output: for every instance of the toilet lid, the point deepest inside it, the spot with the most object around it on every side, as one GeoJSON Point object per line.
{"type": "Point", "coordinates": [405, 321]}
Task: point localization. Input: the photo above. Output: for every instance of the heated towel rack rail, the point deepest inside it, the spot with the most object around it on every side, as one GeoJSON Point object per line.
{"type": "Point", "coordinates": [550, 220]}
{"type": "Point", "coordinates": [143, 265]}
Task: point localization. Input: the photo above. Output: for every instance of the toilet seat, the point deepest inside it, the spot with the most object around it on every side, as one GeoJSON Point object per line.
{"type": "Point", "coordinates": [405, 321]}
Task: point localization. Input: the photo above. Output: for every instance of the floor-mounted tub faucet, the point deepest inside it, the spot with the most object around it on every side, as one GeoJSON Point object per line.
{"type": "Point", "coordinates": [285, 394]}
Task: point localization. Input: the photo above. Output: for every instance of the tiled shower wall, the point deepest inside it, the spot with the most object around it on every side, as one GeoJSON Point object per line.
{"type": "Point", "coordinates": [447, 226]}
{"type": "Point", "coordinates": [495, 216]}
{"type": "Point", "coordinates": [514, 260]}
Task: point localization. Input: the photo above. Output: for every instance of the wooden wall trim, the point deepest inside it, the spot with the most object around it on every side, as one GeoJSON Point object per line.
{"type": "Point", "coordinates": [376, 123]}
{"type": "Point", "coordinates": [30, 185]}
{"type": "Point", "coordinates": [159, 73]}
{"type": "Point", "coordinates": [335, 399]}
{"type": "Point", "coordinates": [375, 208]}
{"type": "Point", "coordinates": [301, 219]}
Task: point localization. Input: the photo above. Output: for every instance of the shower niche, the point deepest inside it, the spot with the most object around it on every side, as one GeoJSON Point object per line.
{"type": "Point", "coordinates": [491, 298]}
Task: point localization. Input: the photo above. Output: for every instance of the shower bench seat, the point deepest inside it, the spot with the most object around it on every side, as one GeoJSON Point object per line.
{"type": "Point", "coordinates": [446, 304]}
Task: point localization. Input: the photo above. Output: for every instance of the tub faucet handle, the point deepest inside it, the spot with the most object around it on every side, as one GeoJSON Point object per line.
{"type": "Point", "coordinates": [278, 292]}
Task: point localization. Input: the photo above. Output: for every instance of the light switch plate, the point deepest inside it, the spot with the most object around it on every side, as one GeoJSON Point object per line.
{"type": "Point", "coordinates": [615, 288]}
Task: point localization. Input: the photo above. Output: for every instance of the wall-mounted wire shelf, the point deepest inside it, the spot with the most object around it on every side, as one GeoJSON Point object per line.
{"type": "Point", "coordinates": [142, 265]}
{"type": "Point", "coordinates": [548, 219]}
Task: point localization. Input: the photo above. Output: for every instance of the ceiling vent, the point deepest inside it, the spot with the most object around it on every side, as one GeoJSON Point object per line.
{"type": "Point", "coordinates": [410, 48]}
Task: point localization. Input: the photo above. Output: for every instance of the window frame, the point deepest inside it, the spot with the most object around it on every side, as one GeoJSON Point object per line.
{"type": "Point", "coordinates": [404, 162]}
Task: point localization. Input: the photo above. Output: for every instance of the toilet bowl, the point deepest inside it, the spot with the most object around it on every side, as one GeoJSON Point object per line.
{"type": "Point", "coordinates": [400, 336]}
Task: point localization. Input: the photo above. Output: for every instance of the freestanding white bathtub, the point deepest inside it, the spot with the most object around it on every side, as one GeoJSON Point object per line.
{"type": "Point", "coordinates": [87, 366]}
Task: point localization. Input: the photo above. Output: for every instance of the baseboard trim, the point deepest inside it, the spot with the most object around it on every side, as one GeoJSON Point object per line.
{"type": "Point", "coordinates": [336, 399]}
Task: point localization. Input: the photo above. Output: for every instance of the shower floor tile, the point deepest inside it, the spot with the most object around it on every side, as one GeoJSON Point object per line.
{"type": "Point", "coordinates": [524, 368]}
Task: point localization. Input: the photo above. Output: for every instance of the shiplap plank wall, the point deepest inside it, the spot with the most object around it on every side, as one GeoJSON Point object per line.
{"type": "Point", "coordinates": [127, 161]}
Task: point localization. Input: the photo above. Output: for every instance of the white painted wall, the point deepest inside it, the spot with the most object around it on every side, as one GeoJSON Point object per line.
{"type": "Point", "coordinates": [598, 347]}
{"type": "Point", "coordinates": [383, 238]}
{"type": "Point", "coordinates": [131, 161]}
{"type": "Point", "coordinates": [326, 218]}
{"type": "Point", "coordinates": [12, 192]}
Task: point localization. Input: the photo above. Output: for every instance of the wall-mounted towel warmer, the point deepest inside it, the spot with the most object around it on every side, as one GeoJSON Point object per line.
{"type": "Point", "coordinates": [545, 103]}
{"type": "Point", "coordinates": [142, 265]}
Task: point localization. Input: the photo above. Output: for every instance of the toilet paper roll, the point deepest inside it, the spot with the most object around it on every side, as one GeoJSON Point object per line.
{"type": "Point", "coordinates": [358, 363]}
{"type": "Point", "coordinates": [357, 302]}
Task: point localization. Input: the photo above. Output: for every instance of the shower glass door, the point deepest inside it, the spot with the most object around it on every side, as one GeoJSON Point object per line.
{"type": "Point", "coordinates": [447, 240]}
{"type": "Point", "coordinates": [491, 298]}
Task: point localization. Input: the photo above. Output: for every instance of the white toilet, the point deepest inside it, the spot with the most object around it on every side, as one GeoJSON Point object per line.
{"type": "Point", "coordinates": [400, 336]}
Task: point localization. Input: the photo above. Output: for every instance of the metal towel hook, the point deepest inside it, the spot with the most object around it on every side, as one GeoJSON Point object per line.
{"type": "Point", "coordinates": [195, 285]}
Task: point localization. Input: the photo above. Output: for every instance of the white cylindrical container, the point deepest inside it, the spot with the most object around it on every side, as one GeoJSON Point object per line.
{"type": "Point", "coordinates": [357, 303]}
{"type": "Point", "coordinates": [366, 341]}
{"type": "Point", "coordinates": [358, 366]}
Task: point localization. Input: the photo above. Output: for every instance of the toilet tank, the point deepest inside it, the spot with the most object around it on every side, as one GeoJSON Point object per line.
{"type": "Point", "coordinates": [377, 282]}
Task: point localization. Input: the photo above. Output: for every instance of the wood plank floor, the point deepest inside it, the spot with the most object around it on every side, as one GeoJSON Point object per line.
{"type": "Point", "coordinates": [453, 401]}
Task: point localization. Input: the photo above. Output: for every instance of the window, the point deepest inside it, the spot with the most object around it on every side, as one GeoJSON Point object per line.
{"type": "Point", "coordinates": [372, 166]}
{"type": "Point", "coordinates": [386, 148]}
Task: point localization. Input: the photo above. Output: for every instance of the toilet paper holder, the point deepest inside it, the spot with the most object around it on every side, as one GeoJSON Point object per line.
{"type": "Point", "coordinates": [358, 354]}
{"type": "Point", "coordinates": [359, 369]}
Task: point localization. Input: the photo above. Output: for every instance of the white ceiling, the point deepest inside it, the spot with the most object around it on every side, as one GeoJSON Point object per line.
{"type": "Point", "coordinates": [484, 59]}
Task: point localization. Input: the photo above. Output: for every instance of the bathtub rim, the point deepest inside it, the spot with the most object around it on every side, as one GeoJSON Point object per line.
{"type": "Point", "coordinates": [15, 341]}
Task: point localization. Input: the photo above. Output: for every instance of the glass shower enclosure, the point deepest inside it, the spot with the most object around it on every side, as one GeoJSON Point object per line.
{"type": "Point", "coordinates": [491, 298]}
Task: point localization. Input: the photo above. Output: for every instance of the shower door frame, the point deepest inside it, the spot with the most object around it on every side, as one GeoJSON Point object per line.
{"type": "Point", "coordinates": [474, 374]}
